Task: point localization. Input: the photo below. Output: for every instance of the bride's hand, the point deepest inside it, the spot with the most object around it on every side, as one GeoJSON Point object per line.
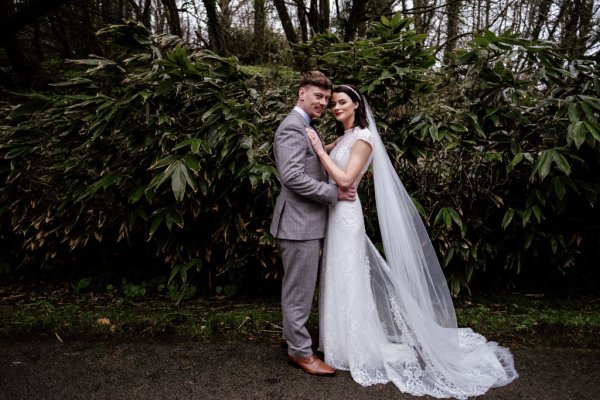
{"type": "Point", "coordinates": [315, 141]}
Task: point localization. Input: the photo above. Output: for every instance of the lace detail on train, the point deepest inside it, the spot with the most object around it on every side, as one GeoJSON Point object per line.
{"type": "Point", "coordinates": [363, 328]}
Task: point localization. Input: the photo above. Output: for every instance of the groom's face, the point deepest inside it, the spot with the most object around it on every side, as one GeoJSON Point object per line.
{"type": "Point", "coordinates": [314, 100]}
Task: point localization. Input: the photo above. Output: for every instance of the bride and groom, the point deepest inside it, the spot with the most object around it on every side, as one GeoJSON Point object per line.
{"type": "Point", "coordinates": [383, 319]}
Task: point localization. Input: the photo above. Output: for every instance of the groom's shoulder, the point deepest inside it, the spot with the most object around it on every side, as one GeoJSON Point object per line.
{"type": "Point", "coordinates": [293, 118]}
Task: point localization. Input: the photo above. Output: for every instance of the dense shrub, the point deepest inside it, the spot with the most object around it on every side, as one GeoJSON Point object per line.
{"type": "Point", "coordinates": [158, 157]}
{"type": "Point", "coordinates": [498, 149]}
{"type": "Point", "coordinates": [155, 148]}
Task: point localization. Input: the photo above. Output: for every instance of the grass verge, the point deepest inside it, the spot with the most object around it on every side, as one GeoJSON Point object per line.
{"type": "Point", "coordinates": [513, 320]}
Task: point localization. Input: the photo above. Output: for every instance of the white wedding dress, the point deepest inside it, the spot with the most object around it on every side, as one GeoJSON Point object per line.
{"type": "Point", "coordinates": [384, 322]}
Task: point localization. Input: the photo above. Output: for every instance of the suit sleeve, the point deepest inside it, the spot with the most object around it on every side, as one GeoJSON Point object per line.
{"type": "Point", "coordinates": [291, 147]}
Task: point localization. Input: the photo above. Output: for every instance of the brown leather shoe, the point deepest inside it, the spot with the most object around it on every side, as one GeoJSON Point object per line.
{"type": "Point", "coordinates": [312, 365]}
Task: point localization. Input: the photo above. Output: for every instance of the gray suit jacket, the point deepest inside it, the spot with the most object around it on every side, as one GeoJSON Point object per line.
{"type": "Point", "coordinates": [301, 207]}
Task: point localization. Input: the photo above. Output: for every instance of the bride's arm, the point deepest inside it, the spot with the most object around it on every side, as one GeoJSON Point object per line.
{"type": "Point", "coordinates": [358, 158]}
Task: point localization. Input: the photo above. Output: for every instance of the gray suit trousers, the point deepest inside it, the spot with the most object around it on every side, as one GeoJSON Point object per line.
{"type": "Point", "coordinates": [301, 267]}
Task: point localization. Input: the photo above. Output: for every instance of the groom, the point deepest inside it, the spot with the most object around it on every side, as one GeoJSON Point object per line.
{"type": "Point", "coordinates": [300, 217]}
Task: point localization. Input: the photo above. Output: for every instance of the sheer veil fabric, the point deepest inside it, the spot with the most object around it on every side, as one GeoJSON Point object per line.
{"type": "Point", "coordinates": [392, 319]}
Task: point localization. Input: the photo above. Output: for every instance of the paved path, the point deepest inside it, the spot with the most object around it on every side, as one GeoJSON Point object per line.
{"type": "Point", "coordinates": [191, 370]}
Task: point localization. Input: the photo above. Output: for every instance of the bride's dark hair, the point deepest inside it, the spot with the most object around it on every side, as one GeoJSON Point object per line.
{"type": "Point", "coordinates": [360, 115]}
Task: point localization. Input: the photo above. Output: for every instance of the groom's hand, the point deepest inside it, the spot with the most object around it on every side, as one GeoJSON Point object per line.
{"type": "Point", "coordinates": [346, 194]}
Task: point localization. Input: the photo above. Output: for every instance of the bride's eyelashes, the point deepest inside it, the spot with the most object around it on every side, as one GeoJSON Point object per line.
{"type": "Point", "coordinates": [340, 103]}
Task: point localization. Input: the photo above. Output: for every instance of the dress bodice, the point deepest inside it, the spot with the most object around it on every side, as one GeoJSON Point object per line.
{"type": "Point", "coordinates": [341, 152]}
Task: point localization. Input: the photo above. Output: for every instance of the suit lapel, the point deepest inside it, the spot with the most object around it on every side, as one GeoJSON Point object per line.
{"type": "Point", "coordinates": [306, 124]}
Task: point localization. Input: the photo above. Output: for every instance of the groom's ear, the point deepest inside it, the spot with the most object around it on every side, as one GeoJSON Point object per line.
{"type": "Point", "coordinates": [301, 92]}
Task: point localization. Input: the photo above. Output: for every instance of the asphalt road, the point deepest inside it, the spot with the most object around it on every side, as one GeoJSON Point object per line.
{"type": "Point", "coordinates": [49, 369]}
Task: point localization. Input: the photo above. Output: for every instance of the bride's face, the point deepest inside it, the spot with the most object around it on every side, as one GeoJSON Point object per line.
{"type": "Point", "coordinates": [343, 108]}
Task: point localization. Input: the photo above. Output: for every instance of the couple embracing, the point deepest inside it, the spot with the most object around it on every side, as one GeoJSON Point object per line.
{"type": "Point", "coordinates": [383, 319]}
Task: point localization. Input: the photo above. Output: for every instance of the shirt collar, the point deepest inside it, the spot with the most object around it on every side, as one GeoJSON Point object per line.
{"type": "Point", "coordinates": [303, 113]}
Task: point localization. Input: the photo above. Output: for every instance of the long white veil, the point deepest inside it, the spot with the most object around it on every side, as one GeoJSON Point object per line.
{"type": "Point", "coordinates": [407, 246]}
{"type": "Point", "coordinates": [414, 303]}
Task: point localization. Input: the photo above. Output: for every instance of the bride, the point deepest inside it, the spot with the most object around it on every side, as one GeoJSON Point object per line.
{"type": "Point", "coordinates": [391, 319]}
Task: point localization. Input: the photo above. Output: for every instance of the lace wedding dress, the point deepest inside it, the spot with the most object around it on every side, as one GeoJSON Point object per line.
{"type": "Point", "coordinates": [384, 322]}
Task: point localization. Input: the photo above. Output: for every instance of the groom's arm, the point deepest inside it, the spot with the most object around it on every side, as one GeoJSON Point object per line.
{"type": "Point", "coordinates": [291, 148]}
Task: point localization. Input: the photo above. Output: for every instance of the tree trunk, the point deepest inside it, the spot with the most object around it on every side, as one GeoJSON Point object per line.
{"type": "Point", "coordinates": [355, 19]}
{"type": "Point", "coordinates": [288, 28]}
{"type": "Point", "coordinates": [21, 65]}
{"type": "Point", "coordinates": [260, 28]}
{"type": "Point", "coordinates": [539, 17]}
{"type": "Point", "coordinates": [216, 37]}
{"type": "Point", "coordinates": [173, 16]}
{"type": "Point", "coordinates": [12, 22]}
{"type": "Point", "coordinates": [324, 11]}
{"type": "Point", "coordinates": [37, 42]}
{"type": "Point", "coordinates": [577, 26]}
{"type": "Point", "coordinates": [419, 16]}
{"type": "Point", "coordinates": [314, 17]}
{"type": "Point", "coordinates": [142, 15]}
{"type": "Point", "coordinates": [60, 37]}
{"type": "Point", "coordinates": [87, 34]}
{"type": "Point", "coordinates": [452, 27]}
{"type": "Point", "coordinates": [286, 21]}
{"type": "Point", "coordinates": [301, 7]}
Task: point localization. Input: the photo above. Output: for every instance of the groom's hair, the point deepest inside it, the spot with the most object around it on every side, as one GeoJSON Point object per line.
{"type": "Point", "coordinates": [315, 78]}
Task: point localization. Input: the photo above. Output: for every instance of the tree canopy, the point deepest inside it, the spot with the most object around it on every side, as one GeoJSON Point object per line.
{"type": "Point", "coordinates": [259, 31]}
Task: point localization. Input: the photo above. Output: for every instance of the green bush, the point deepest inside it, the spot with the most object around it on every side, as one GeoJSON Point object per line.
{"type": "Point", "coordinates": [157, 157]}
{"type": "Point", "coordinates": [498, 149]}
{"type": "Point", "coordinates": [155, 148]}
{"type": "Point", "coordinates": [511, 167]}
